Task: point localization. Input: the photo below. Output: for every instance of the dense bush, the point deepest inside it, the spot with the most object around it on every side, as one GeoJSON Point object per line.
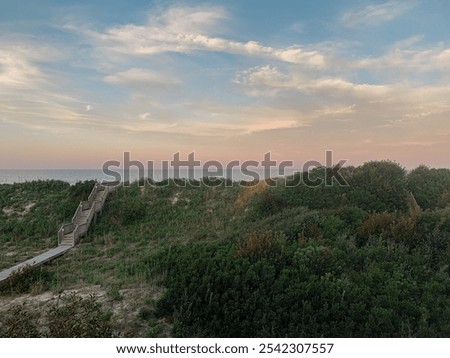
{"type": "Point", "coordinates": [357, 265]}
{"type": "Point", "coordinates": [431, 187]}
{"type": "Point", "coordinates": [280, 288]}
{"type": "Point", "coordinates": [378, 186]}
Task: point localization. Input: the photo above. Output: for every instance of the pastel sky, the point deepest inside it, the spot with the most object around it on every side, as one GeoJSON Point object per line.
{"type": "Point", "coordinates": [83, 81]}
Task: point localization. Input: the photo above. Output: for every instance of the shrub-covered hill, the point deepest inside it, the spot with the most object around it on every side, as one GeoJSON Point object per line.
{"type": "Point", "coordinates": [370, 259]}
{"type": "Point", "coordinates": [31, 214]}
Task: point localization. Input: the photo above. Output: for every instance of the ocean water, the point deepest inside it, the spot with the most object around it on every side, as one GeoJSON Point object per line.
{"type": "Point", "coordinates": [72, 176]}
{"type": "Point", "coordinates": [10, 176]}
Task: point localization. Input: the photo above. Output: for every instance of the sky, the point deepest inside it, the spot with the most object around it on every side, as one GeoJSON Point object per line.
{"type": "Point", "coordinates": [83, 81]}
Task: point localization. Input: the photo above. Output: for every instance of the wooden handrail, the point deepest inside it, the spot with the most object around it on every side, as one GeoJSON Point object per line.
{"type": "Point", "coordinates": [93, 193]}
{"type": "Point", "coordinates": [78, 211]}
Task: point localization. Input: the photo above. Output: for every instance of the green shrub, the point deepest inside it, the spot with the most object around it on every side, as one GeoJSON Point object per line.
{"type": "Point", "coordinates": [19, 322]}
{"type": "Point", "coordinates": [306, 289]}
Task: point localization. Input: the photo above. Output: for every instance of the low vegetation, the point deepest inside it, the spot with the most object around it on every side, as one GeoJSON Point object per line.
{"type": "Point", "coordinates": [370, 259]}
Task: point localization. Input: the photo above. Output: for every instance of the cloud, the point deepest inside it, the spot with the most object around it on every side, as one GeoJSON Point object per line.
{"type": "Point", "coordinates": [245, 119]}
{"type": "Point", "coordinates": [268, 80]}
{"type": "Point", "coordinates": [208, 119]}
{"type": "Point", "coordinates": [18, 71]}
{"type": "Point", "coordinates": [373, 15]}
{"type": "Point", "coordinates": [339, 110]}
{"type": "Point", "coordinates": [444, 55]}
{"type": "Point", "coordinates": [180, 19]}
{"type": "Point", "coordinates": [145, 116]}
{"type": "Point", "coordinates": [411, 144]}
{"type": "Point", "coordinates": [262, 80]}
{"type": "Point", "coordinates": [198, 128]}
{"type": "Point", "coordinates": [398, 105]}
{"type": "Point", "coordinates": [31, 97]}
{"type": "Point", "coordinates": [188, 29]}
{"type": "Point", "coordinates": [298, 27]}
{"type": "Point", "coordinates": [409, 60]}
{"type": "Point", "coordinates": [139, 78]}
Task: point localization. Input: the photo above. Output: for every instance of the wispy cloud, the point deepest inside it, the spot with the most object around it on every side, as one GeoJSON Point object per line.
{"type": "Point", "coordinates": [30, 97]}
{"type": "Point", "coordinates": [410, 144]}
{"type": "Point", "coordinates": [379, 104]}
{"type": "Point", "coordinates": [268, 78]}
{"type": "Point", "coordinates": [17, 69]}
{"type": "Point", "coordinates": [374, 15]}
{"type": "Point", "coordinates": [188, 29]}
{"type": "Point", "coordinates": [408, 59]}
{"type": "Point", "coordinates": [139, 78]}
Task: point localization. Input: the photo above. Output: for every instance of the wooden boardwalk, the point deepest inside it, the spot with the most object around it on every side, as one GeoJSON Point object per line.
{"type": "Point", "coordinates": [69, 234]}
{"type": "Point", "coordinates": [35, 261]}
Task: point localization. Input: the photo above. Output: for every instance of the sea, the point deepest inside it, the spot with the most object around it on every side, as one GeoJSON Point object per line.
{"type": "Point", "coordinates": [72, 176]}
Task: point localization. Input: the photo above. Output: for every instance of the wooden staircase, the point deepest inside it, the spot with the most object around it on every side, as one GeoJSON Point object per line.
{"type": "Point", "coordinates": [69, 234]}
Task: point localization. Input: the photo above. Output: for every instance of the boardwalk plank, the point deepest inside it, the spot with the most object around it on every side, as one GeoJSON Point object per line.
{"type": "Point", "coordinates": [36, 261]}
